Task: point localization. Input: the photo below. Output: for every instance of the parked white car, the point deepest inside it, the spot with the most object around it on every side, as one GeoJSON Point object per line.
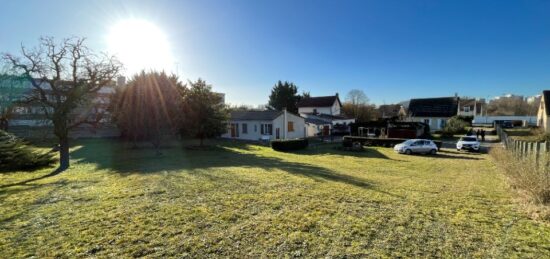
{"type": "Point", "coordinates": [421, 146]}
{"type": "Point", "coordinates": [468, 143]}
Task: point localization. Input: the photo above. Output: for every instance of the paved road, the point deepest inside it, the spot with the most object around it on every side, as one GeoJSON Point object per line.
{"type": "Point", "coordinates": [490, 141]}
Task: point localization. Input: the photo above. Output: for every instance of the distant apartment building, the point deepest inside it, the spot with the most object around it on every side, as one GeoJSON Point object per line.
{"type": "Point", "coordinates": [25, 115]}
{"type": "Point", "coordinates": [509, 96]}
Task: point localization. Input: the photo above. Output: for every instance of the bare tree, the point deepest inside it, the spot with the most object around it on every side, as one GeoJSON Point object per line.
{"type": "Point", "coordinates": [357, 97]}
{"type": "Point", "coordinates": [357, 105]}
{"type": "Point", "coordinates": [65, 77]}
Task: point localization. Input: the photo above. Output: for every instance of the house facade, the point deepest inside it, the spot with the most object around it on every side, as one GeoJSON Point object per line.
{"type": "Point", "coordinates": [323, 115]}
{"type": "Point", "coordinates": [471, 107]}
{"type": "Point", "coordinates": [435, 112]}
{"type": "Point", "coordinates": [543, 120]}
{"type": "Point", "coordinates": [265, 125]}
{"type": "Point", "coordinates": [391, 111]}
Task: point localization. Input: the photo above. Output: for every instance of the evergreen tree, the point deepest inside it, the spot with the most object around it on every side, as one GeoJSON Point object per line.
{"type": "Point", "coordinates": [15, 154]}
{"type": "Point", "coordinates": [284, 95]}
{"type": "Point", "coordinates": [148, 107]}
{"type": "Point", "coordinates": [205, 114]}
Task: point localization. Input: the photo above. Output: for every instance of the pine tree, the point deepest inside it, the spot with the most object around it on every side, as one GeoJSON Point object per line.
{"type": "Point", "coordinates": [16, 154]}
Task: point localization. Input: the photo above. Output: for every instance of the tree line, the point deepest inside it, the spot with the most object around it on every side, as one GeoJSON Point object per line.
{"type": "Point", "coordinates": [66, 77]}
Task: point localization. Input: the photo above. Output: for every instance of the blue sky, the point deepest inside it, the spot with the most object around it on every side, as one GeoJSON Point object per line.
{"type": "Point", "coordinates": [392, 50]}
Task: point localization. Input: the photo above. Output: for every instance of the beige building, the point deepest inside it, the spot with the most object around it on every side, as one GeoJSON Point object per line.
{"type": "Point", "coordinates": [543, 120]}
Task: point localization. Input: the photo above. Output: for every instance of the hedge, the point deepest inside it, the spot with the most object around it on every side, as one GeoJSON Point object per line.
{"type": "Point", "coordinates": [289, 144]}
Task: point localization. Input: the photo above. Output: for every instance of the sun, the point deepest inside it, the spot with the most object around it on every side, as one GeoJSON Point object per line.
{"type": "Point", "coordinates": [140, 45]}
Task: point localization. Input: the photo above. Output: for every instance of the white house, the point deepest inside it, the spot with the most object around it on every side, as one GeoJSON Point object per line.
{"type": "Point", "coordinates": [265, 125]}
{"type": "Point", "coordinates": [435, 112]}
{"type": "Point", "coordinates": [323, 115]}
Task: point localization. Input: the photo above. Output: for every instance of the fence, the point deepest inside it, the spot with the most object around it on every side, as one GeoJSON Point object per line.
{"type": "Point", "coordinates": [536, 151]}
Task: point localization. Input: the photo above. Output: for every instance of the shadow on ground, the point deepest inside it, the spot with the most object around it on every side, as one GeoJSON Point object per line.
{"type": "Point", "coordinates": [121, 159]}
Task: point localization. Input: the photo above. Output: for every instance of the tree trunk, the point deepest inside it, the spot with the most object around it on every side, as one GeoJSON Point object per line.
{"type": "Point", "coordinates": [64, 158]}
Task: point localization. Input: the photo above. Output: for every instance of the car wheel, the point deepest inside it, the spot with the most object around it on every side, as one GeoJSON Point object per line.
{"type": "Point", "coordinates": [433, 152]}
{"type": "Point", "coordinates": [408, 152]}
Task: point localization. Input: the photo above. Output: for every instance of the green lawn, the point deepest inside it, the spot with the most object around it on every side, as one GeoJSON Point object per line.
{"type": "Point", "coordinates": [244, 200]}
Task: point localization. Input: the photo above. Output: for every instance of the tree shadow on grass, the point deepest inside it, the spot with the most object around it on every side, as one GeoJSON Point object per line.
{"type": "Point", "coordinates": [117, 158]}
{"type": "Point", "coordinates": [337, 149]}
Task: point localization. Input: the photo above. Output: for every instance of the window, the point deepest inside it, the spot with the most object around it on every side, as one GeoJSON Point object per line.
{"type": "Point", "coordinates": [466, 108]}
{"type": "Point", "coordinates": [442, 123]}
{"type": "Point", "coordinates": [255, 128]}
{"type": "Point", "coordinates": [314, 111]}
{"type": "Point", "coordinates": [267, 129]}
{"type": "Point", "coordinates": [290, 126]}
{"type": "Point", "coordinates": [245, 128]}
{"type": "Point", "coordinates": [427, 121]}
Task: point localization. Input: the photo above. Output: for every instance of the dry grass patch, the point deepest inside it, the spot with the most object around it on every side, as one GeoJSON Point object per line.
{"type": "Point", "coordinates": [243, 200]}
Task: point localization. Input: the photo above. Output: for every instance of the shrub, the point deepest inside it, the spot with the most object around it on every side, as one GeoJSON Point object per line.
{"type": "Point", "coordinates": [289, 144]}
{"type": "Point", "coordinates": [455, 125]}
{"type": "Point", "coordinates": [15, 154]}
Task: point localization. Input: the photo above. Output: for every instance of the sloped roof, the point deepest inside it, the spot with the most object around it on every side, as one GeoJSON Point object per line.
{"type": "Point", "coordinates": [389, 110]}
{"type": "Point", "coordinates": [546, 94]}
{"type": "Point", "coordinates": [467, 102]}
{"type": "Point", "coordinates": [320, 101]}
{"type": "Point", "coordinates": [317, 121]}
{"type": "Point", "coordinates": [255, 115]}
{"type": "Point", "coordinates": [434, 107]}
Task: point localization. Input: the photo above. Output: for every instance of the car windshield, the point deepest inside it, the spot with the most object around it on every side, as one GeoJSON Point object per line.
{"type": "Point", "coordinates": [468, 139]}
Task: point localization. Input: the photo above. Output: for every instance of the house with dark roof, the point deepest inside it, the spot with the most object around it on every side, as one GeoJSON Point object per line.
{"type": "Point", "coordinates": [323, 115]}
{"type": "Point", "coordinates": [543, 120]}
{"type": "Point", "coordinates": [265, 125]}
{"type": "Point", "coordinates": [434, 112]}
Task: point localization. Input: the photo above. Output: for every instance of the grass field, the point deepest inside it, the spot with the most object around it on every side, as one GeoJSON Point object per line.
{"type": "Point", "coordinates": [244, 200]}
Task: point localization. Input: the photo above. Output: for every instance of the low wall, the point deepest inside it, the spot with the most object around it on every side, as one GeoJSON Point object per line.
{"type": "Point", "coordinates": [531, 120]}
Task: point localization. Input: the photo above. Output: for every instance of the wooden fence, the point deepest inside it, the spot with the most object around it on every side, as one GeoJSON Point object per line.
{"type": "Point", "coordinates": [536, 151]}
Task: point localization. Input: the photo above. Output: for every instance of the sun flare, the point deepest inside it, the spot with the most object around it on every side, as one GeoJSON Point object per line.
{"type": "Point", "coordinates": [139, 45]}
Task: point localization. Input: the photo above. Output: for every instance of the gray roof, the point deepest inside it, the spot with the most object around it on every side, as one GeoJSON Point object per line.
{"type": "Point", "coordinates": [255, 115]}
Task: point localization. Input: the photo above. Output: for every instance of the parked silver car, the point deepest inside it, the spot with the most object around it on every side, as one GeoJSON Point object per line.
{"type": "Point", "coordinates": [422, 146]}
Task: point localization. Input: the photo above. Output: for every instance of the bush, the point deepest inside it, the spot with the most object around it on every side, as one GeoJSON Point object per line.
{"type": "Point", "coordinates": [455, 125]}
{"type": "Point", "coordinates": [289, 144]}
{"type": "Point", "coordinates": [15, 154]}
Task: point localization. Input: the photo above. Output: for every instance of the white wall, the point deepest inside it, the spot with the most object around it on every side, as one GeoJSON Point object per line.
{"type": "Point", "coordinates": [323, 110]}
{"type": "Point", "coordinates": [332, 110]}
{"type": "Point", "coordinates": [435, 122]}
{"type": "Point", "coordinates": [335, 109]}
{"type": "Point", "coordinates": [490, 119]}
{"type": "Point", "coordinates": [254, 128]}
{"type": "Point", "coordinates": [542, 119]}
